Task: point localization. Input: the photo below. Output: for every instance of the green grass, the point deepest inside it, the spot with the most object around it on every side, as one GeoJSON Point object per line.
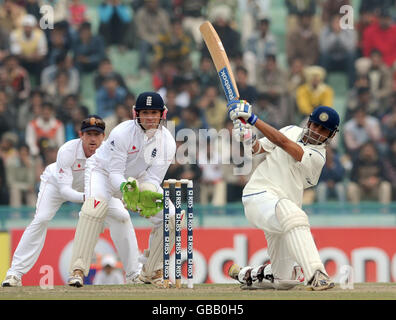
{"type": "Point", "coordinates": [361, 291]}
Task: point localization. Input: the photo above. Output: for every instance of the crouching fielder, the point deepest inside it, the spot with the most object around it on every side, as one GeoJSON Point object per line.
{"type": "Point", "coordinates": [272, 198]}
{"type": "Point", "coordinates": [131, 165]}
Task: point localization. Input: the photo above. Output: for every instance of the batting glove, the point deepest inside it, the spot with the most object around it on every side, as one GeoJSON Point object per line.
{"type": "Point", "coordinates": [241, 109]}
{"type": "Point", "coordinates": [130, 194]}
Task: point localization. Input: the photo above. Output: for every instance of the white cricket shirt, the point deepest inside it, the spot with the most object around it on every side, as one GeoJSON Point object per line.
{"type": "Point", "coordinates": [129, 152]}
{"type": "Point", "coordinates": [67, 173]}
{"type": "Point", "coordinates": [281, 174]}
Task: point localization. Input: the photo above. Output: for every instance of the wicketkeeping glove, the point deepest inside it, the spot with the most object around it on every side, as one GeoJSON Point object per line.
{"type": "Point", "coordinates": [150, 203]}
{"type": "Point", "coordinates": [130, 194]}
{"type": "Point", "coordinates": [241, 109]}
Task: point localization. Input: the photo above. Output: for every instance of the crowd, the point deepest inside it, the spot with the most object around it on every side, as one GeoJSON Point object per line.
{"type": "Point", "coordinates": [41, 103]}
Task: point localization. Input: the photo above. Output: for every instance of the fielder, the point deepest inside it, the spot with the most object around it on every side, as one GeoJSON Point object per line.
{"type": "Point", "coordinates": [131, 165]}
{"type": "Point", "coordinates": [272, 198]}
{"type": "Point", "coordinates": [64, 181]}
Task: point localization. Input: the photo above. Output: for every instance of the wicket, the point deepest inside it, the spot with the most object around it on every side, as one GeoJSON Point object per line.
{"type": "Point", "coordinates": [178, 217]}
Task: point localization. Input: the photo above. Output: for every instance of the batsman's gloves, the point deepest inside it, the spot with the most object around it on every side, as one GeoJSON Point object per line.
{"type": "Point", "coordinates": [241, 109]}
{"type": "Point", "coordinates": [130, 194]}
{"type": "Point", "coordinates": [150, 203]}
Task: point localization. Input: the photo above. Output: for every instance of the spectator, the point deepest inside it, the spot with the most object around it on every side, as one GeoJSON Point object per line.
{"type": "Point", "coordinates": [191, 12]}
{"type": "Point", "coordinates": [390, 167]}
{"type": "Point", "coordinates": [375, 6]}
{"type": "Point", "coordinates": [338, 49]}
{"type": "Point", "coordinates": [73, 126]}
{"type": "Point", "coordinates": [108, 96]}
{"type": "Point", "coordinates": [331, 181]}
{"type": "Point", "coordinates": [21, 179]}
{"type": "Point", "coordinates": [366, 19]}
{"type": "Point", "coordinates": [8, 151]}
{"type": "Point", "coordinates": [381, 36]}
{"type": "Point", "coordinates": [360, 98]}
{"type": "Point", "coordinates": [69, 103]}
{"type": "Point", "coordinates": [6, 117]}
{"type": "Point", "coordinates": [389, 121]}
{"type": "Point", "coordinates": [88, 49]}
{"type": "Point", "coordinates": [4, 45]}
{"type": "Point", "coordinates": [270, 113]}
{"type": "Point", "coordinates": [11, 16]}
{"type": "Point", "coordinates": [295, 78]}
{"type": "Point", "coordinates": [63, 63]}
{"type": "Point", "coordinates": [368, 179]}
{"type": "Point", "coordinates": [121, 113]}
{"type": "Point", "coordinates": [164, 74]}
{"type": "Point", "coordinates": [109, 274]}
{"type": "Point", "coordinates": [106, 69]}
{"type": "Point", "coordinates": [361, 129]}
{"type": "Point", "coordinates": [175, 45]}
{"type": "Point", "coordinates": [221, 17]}
{"type": "Point", "coordinates": [17, 78]}
{"type": "Point", "coordinates": [303, 42]}
{"type": "Point", "coordinates": [115, 20]}
{"type": "Point", "coordinates": [29, 43]}
{"type": "Point", "coordinates": [151, 20]}
{"type": "Point", "coordinates": [246, 92]}
{"type": "Point", "coordinates": [193, 118]}
{"type": "Point", "coordinates": [330, 8]}
{"type": "Point", "coordinates": [174, 110]}
{"type": "Point", "coordinates": [260, 44]}
{"type": "Point", "coordinates": [77, 14]}
{"type": "Point", "coordinates": [29, 110]}
{"type": "Point", "coordinates": [58, 45]}
{"type": "Point", "coordinates": [271, 80]}
{"type": "Point", "coordinates": [206, 73]}
{"type": "Point", "coordinates": [60, 88]}
{"type": "Point", "coordinates": [43, 130]}
{"type": "Point", "coordinates": [60, 9]}
{"type": "Point", "coordinates": [213, 107]}
{"type": "Point", "coordinates": [295, 8]}
{"type": "Point", "coordinates": [33, 7]}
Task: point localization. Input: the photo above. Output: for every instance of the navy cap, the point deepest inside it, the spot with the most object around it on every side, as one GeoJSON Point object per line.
{"type": "Point", "coordinates": [93, 122]}
{"type": "Point", "coordinates": [149, 101]}
{"type": "Point", "coordinates": [325, 116]}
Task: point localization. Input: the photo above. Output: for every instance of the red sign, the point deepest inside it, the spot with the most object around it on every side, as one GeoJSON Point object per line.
{"type": "Point", "coordinates": [370, 252]}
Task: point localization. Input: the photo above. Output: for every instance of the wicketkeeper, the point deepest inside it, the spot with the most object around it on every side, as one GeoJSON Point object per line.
{"type": "Point", "coordinates": [131, 165]}
{"type": "Point", "coordinates": [273, 196]}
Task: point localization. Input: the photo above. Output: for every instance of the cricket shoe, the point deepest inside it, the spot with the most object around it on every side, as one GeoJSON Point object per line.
{"type": "Point", "coordinates": [320, 281]}
{"type": "Point", "coordinates": [155, 278]}
{"type": "Point", "coordinates": [133, 279]}
{"type": "Point", "coordinates": [76, 279]}
{"type": "Point", "coordinates": [12, 281]}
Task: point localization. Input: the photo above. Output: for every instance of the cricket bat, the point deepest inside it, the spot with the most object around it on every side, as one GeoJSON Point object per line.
{"type": "Point", "coordinates": [220, 60]}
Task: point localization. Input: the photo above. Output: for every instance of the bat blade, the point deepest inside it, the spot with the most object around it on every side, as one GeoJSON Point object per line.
{"type": "Point", "coordinates": [220, 60]}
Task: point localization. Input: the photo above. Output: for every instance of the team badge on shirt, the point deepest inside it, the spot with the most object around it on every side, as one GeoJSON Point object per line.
{"type": "Point", "coordinates": [154, 153]}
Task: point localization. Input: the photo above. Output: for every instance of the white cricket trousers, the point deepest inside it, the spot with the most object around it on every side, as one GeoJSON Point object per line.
{"type": "Point", "coordinates": [260, 210]}
{"type": "Point", "coordinates": [48, 203]}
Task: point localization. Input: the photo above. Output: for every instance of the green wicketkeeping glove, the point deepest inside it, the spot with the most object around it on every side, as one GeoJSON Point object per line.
{"type": "Point", "coordinates": [150, 203]}
{"type": "Point", "coordinates": [130, 194]}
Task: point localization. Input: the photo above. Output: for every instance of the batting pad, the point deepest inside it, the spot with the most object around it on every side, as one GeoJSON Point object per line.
{"type": "Point", "coordinates": [89, 226]}
{"type": "Point", "coordinates": [298, 237]}
{"type": "Point", "coordinates": [154, 260]}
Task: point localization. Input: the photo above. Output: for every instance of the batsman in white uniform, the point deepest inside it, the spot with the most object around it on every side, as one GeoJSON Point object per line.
{"type": "Point", "coordinates": [64, 181]}
{"type": "Point", "coordinates": [131, 165]}
{"type": "Point", "coordinates": [272, 198]}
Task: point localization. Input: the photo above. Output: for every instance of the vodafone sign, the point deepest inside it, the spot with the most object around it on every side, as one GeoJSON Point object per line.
{"type": "Point", "coordinates": [369, 252]}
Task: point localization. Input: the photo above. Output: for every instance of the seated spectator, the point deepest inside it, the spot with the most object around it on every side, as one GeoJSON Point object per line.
{"type": "Point", "coordinates": [73, 126]}
{"type": "Point", "coordinates": [11, 15]}
{"type": "Point", "coordinates": [174, 110]}
{"type": "Point", "coordinates": [303, 42]}
{"type": "Point", "coordinates": [314, 92]}
{"type": "Point", "coordinates": [29, 43]}
{"type": "Point", "coordinates": [58, 45]}
{"type": "Point", "coordinates": [381, 36]}
{"type": "Point", "coordinates": [192, 118]}
{"type": "Point", "coordinates": [246, 91]}
{"type": "Point", "coordinates": [368, 178]}
{"type": "Point", "coordinates": [115, 19]}
{"type": "Point", "coordinates": [21, 179]}
{"type": "Point", "coordinates": [206, 73]}
{"type": "Point", "coordinates": [164, 74]}
{"type": "Point", "coordinates": [63, 62]}
{"type": "Point", "coordinates": [331, 181]}
{"type": "Point", "coordinates": [105, 69]}
{"type": "Point", "coordinates": [121, 114]}
{"type": "Point", "coordinates": [359, 95]}
{"type": "Point", "coordinates": [58, 90]}
{"type": "Point", "coordinates": [331, 8]}
{"type": "Point", "coordinates": [295, 79]}
{"type": "Point", "coordinates": [390, 167]}
{"type": "Point", "coordinates": [176, 46]}
{"type": "Point", "coordinates": [193, 17]}
{"type": "Point", "coordinates": [88, 49]}
{"type": "Point", "coordinates": [366, 19]}
{"type": "Point", "coordinates": [43, 130]}
{"type": "Point", "coordinates": [338, 49]}
{"type": "Point", "coordinates": [361, 129]}
{"type": "Point", "coordinates": [29, 110]}
{"type": "Point", "coordinates": [271, 79]}
{"type": "Point", "coordinates": [7, 118]}
{"type": "Point", "coordinates": [260, 44]}
{"type": "Point", "coordinates": [108, 96]}
{"type": "Point", "coordinates": [77, 14]}
{"type": "Point", "coordinates": [151, 20]}
{"type": "Point", "coordinates": [8, 151]}
{"type": "Point", "coordinates": [4, 45]}
{"type": "Point", "coordinates": [17, 78]}
{"type": "Point", "coordinates": [388, 122]}
{"type": "Point", "coordinates": [214, 107]}
{"type": "Point", "coordinates": [109, 274]}
{"type": "Point", "coordinates": [270, 113]}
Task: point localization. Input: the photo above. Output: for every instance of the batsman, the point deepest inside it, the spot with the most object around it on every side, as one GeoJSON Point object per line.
{"type": "Point", "coordinates": [272, 198]}
{"type": "Point", "coordinates": [130, 165]}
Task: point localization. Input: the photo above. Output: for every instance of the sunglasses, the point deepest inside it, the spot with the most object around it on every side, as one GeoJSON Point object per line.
{"type": "Point", "coordinates": [89, 122]}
